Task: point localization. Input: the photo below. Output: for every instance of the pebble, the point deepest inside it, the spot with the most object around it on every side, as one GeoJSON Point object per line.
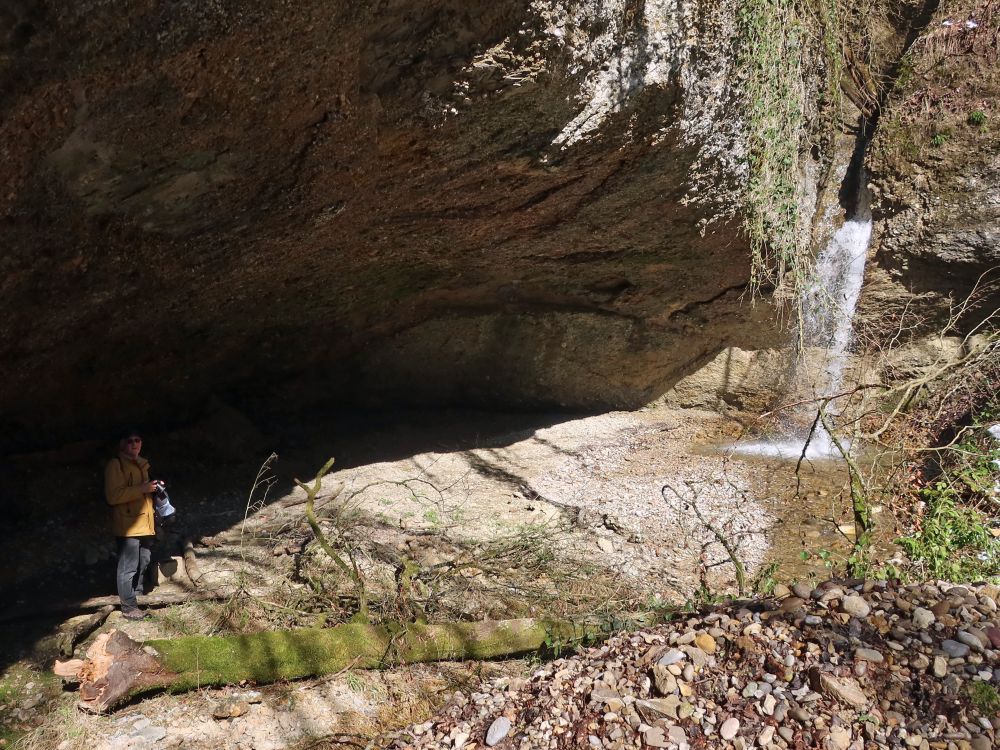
{"type": "Point", "coordinates": [706, 643]}
{"type": "Point", "coordinates": [922, 618]}
{"type": "Point", "coordinates": [672, 657]}
{"type": "Point", "coordinates": [666, 683]}
{"type": "Point", "coordinates": [655, 737]}
{"type": "Point", "coordinates": [802, 590]}
{"type": "Point", "coordinates": [855, 606]}
{"type": "Point", "coordinates": [868, 654]}
{"type": "Point", "coordinates": [765, 737]}
{"type": "Point", "coordinates": [971, 640]}
{"type": "Point", "coordinates": [729, 728]}
{"type": "Point", "coordinates": [769, 704]}
{"type": "Point", "coordinates": [773, 670]}
{"type": "Point", "coordinates": [954, 649]}
{"type": "Point", "coordinates": [840, 737]}
{"type": "Point", "coordinates": [940, 666]}
{"type": "Point", "coordinates": [843, 689]}
{"type": "Point", "coordinates": [994, 635]}
{"type": "Point", "coordinates": [230, 709]}
{"type": "Point", "coordinates": [497, 731]}
{"type": "Point", "coordinates": [941, 608]}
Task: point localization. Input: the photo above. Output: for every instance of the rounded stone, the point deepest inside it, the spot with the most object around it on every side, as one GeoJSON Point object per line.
{"type": "Point", "coordinates": [855, 606]}
{"type": "Point", "coordinates": [923, 618]}
{"type": "Point", "coordinates": [802, 590]}
{"type": "Point", "coordinates": [671, 657]}
{"type": "Point", "coordinates": [497, 731]}
{"type": "Point", "coordinates": [729, 728]}
{"type": "Point", "coordinates": [954, 649]}
{"type": "Point", "coordinates": [705, 642]}
{"type": "Point", "coordinates": [868, 654]}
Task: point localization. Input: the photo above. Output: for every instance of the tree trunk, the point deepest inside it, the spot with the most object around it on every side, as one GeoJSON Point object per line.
{"type": "Point", "coordinates": [117, 668]}
{"type": "Point", "coordinates": [45, 609]}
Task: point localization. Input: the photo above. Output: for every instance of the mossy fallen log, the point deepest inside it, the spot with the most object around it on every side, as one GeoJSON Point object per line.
{"type": "Point", "coordinates": [75, 633]}
{"type": "Point", "coordinates": [46, 609]}
{"type": "Point", "coordinates": [118, 668]}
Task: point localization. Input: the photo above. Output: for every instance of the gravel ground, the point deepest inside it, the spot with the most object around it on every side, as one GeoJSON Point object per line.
{"type": "Point", "coordinates": [839, 667]}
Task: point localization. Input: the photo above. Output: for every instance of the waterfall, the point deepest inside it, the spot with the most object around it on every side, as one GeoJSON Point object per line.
{"type": "Point", "coordinates": [827, 309]}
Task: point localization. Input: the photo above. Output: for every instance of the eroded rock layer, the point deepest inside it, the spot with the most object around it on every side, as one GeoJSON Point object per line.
{"type": "Point", "coordinates": [485, 202]}
{"type": "Point", "coordinates": [526, 204]}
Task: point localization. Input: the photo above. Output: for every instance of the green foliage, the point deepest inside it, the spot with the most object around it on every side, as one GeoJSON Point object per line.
{"type": "Point", "coordinates": [823, 555]}
{"type": "Point", "coordinates": [770, 57]}
{"type": "Point", "coordinates": [976, 118]}
{"type": "Point", "coordinates": [984, 697]}
{"type": "Point", "coordinates": [663, 610]}
{"type": "Point", "coordinates": [765, 580]}
{"type": "Point", "coordinates": [830, 14]}
{"type": "Point", "coordinates": [354, 682]}
{"type": "Point", "coordinates": [940, 139]}
{"type": "Point", "coordinates": [952, 541]}
{"type": "Point", "coordinates": [904, 73]}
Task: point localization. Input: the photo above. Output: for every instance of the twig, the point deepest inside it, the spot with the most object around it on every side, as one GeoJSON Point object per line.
{"type": "Point", "coordinates": [333, 676]}
{"type": "Point", "coordinates": [352, 572]}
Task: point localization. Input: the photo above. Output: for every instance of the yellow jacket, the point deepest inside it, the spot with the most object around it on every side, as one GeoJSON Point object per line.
{"type": "Point", "coordinates": [131, 510]}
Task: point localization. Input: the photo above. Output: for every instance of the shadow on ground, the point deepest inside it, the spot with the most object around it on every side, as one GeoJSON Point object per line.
{"type": "Point", "coordinates": [56, 538]}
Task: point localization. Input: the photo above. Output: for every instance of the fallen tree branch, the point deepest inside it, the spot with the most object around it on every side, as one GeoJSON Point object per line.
{"type": "Point", "coordinates": [69, 639]}
{"type": "Point", "coordinates": [118, 668]}
{"type": "Point", "coordinates": [330, 493]}
{"type": "Point", "coordinates": [191, 563]}
{"type": "Point", "coordinates": [352, 572]}
{"type": "Point", "coordinates": [161, 600]}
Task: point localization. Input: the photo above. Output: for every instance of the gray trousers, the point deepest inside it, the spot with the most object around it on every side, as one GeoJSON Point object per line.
{"type": "Point", "coordinates": [133, 557]}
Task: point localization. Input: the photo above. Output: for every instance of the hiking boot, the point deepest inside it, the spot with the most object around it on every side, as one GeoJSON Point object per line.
{"type": "Point", "coordinates": [135, 614]}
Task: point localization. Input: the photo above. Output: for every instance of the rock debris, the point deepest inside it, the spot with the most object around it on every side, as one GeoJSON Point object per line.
{"type": "Point", "coordinates": [848, 665]}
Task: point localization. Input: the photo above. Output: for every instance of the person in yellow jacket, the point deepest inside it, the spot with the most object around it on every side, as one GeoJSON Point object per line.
{"type": "Point", "coordinates": [128, 490]}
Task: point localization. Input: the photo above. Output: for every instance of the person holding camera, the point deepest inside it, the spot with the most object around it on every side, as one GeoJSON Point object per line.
{"type": "Point", "coordinates": [130, 493]}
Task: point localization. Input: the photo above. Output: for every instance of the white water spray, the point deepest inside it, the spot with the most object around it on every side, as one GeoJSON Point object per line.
{"type": "Point", "coordinates": [827, 318]}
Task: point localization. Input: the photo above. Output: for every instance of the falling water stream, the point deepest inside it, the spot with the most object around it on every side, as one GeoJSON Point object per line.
{"type": "Point", "coordinates": [827, 307]}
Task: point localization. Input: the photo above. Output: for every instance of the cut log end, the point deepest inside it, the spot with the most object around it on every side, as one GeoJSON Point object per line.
{"type": "Point", "coordinates": [116, 669]}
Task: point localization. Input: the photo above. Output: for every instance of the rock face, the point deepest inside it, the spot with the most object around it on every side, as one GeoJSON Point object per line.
{"type": "Point", "coordinates": [936, 166]}
{"type": "Point", "coordinates": [485, 202]}
{"type": "Point", "coordinates": [439, 202]}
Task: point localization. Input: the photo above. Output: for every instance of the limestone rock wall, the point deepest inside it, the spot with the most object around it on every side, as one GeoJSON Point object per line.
{"type": "Point", "coordinates": [507, 203]}
{"type": "Point", "coordinates": [936, 174]}
{"type": "Point", "coordinates": [430, 201]}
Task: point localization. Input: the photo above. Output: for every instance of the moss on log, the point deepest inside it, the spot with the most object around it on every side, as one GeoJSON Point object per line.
{"type": "Point", "coordinates": [118, 668]}
{"type": "Point", "coordinates": [293, 654]}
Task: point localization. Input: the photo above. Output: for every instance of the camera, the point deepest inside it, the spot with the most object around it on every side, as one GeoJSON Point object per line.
{"type": "Point", "coordinates": [161, 500]}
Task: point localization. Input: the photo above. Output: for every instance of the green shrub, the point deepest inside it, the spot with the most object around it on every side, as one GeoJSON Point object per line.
{"type": "Point", "coordinates": [952, 542]}
{"type": "Point", "coordinates": [939, 139]}
{"type": "Point", "coordinates": [977, 118]}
